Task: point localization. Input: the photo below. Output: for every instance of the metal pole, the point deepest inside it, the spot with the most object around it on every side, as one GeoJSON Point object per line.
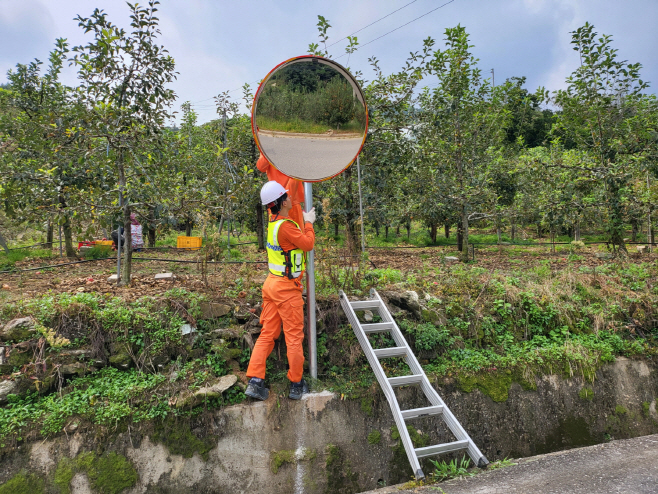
{"type": "Point", "coordinates": [119, 237]}
{"type": "Point", "coordinates": [310, 292]}
{"type": "Point", "coordinates": [363, 228]}
{"type": "Point", "coordinates": [649, 236]}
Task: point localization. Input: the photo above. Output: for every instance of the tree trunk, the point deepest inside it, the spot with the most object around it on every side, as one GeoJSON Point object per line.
{"type": "Point", "coordinates": [460, 237]}
{"type": "Point", "coordinates": [3, 243]}
{"type": "Point", "coordinates": [446, 230]}
{"type": "Point", "coordinates": [188, 227]}
{"type": "Point", "coordinates": [260, 227]}
{"type": "Point", "coordinates": [68, 237]}
{"type": "Point", "coordinates": [513, 231]}
{"type": "Point", "coordinates": [386, 228]}
{"type": "Point", "coordinates": [397, 230]}
{"type": "Point", "coordinates": [464, 234]}
{"type": "Point", "coordinates": [336, 229]}
{"type": "Point", "coordinates": [576, 230]}
{"type": "Point", "coordinates": [634, 228]}
{"type": "Point", "coordinates": [376, 225]}
{"type": "Point", "coordinates": [126, 267]}
{"type": "Point", "coordinates": [433, 230]}
{"type": "Point", "coordinates": [49, 235]}
{"type": "Point", "coordinates": [408, 227]}
{"type": "Point", "coordinates": [498, 232]}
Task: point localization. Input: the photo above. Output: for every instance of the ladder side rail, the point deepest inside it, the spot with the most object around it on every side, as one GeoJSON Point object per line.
{"type": "Point", "coordinates": [383, 383]}
{"type": "Point", "coordinates": [432, 395]}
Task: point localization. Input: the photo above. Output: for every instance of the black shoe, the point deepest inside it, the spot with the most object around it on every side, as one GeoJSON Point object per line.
{"type": "Point", "coordinates": [258, 391]}
{"type": "Point", "coordinates": [297, 390]}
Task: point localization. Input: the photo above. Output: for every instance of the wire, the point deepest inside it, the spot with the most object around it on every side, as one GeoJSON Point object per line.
{"type": "Point", "coordinates": [400, 27]}
{"type": "Point", "coordinates": [375, 22]}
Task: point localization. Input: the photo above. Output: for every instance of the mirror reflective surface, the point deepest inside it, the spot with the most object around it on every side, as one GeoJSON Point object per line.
{"type": "Point", "coordinates": [309, 118]}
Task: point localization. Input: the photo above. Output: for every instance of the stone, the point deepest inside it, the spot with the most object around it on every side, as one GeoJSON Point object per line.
{"type": "Point", "coordinates": [113, 278]}
{"type": "Point", "coordinates": [213, 391]}
{"type": "Point", "coordinates": [72, 369]}
{"type": "Point", "coordinates": [410, 301]}
{"type": "Point", "coordinates": [18, 358]}
{"type": "Point", "coordinates": [429, 316]}
{"type": "Point", "coordinates": [223, 333]}
{"type": "Point", "coordinates": [451, 259]}
{"type": "Point", "coordinates": [6, 388]}
{"type": "Point", "coordinates": [165, 276]}
{"type": "Point", "coordinates": [603, 255]}
{"type": "Point", "coordinates": [121, 361]}
{"type": "Point", "coordinates": [18, 329]}
{"type": "Point", "coordinates": [211, 310]}
{"type": "Point", "coordinates": [368, 315]}
{"type": "Point", "coordinates": [642, 248]}
{"type": "Point", "coordinates": [187, 329]}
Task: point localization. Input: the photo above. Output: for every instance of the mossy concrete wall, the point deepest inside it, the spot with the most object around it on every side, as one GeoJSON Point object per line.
{"type": "Point", "coordinates": [323, 444]}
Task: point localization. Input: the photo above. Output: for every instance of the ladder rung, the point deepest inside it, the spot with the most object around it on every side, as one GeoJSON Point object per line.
{"type": "Point", "coordinates": [378, 327]}
{"type": "Point", "coordinates": [441, 448]}
{"type": "Point", "coordinates": [395, 351]}
{"type": "Point", "coordinates": [365, 304]}
{"type": "Point", "coordinates": [404, 380]}
{"type": "Point", "coordinates": [414, 413]}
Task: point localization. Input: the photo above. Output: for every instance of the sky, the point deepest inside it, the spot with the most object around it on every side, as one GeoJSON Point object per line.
{"type": "Point", "coordinates": [219, 45]}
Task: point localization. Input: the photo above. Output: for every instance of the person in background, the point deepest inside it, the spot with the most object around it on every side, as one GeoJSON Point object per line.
{"type": "Point", "coordinates": [294, 187]}
{"type": "Point", "coordinates": [282, 292]}
{"type": "Point", "coordinates": [136, 238]}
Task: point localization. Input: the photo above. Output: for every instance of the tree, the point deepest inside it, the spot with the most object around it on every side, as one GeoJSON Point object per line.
{"type": "Point", "coordinates": [124, 78]}
{"type": "Point", "coordinates": [462, 122]}
{"type": "Point", "coordinates": [603, 111]}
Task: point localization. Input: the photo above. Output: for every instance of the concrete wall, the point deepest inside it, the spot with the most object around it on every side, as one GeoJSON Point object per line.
{"type": "Point", "coordinates": [320, 444]}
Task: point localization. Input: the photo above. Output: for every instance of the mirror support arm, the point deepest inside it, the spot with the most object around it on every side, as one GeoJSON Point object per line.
{"type": "Point", "coordinates": [310, 293]}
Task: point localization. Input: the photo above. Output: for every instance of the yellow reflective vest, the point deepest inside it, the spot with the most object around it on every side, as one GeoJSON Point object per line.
{"type": "Point", "coordinates": [281, 263]}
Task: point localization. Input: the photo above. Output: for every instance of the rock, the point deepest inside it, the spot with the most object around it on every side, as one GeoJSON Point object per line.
{"type": "Point", "coordinates": [19, 359]}
{"type": "Point", "coordinates": [6, 388]}
{"type": "Point", "coordinates": [451, 259]}
{"type": "Point", "coordinates": [213, 391]}
{"type": "Point", "coordinates": [18, 329]}
{"type": "Point", "coordinates": [113, 278]}
{"type": "Point", "coordinates": [5, 286]}
{"type": "Point", "coordinates": [223, 333]}
{"type": "Point", "coordinates": [165, 276]}
{"type": "Point", "coordinates": [72, 369]}
{"type": "Point", "coordinates": [642, 248]}
{"type": "Point", "coordinates": [367, 315]}
{"type": "Point", "coordinates": [409, 301]}
{"type": "Point", "coordinates": [603, 255]}
{"type": "Point", "coordinates": [160, 361]}
{"type": "Point", "coordinates": [242, 314]}
{"type": "Point", "coordinates": [187, 329]}
{"type": "Point", "coordinates": [210, 310]}
{"type": "Point", "coordinates": [121, 361]}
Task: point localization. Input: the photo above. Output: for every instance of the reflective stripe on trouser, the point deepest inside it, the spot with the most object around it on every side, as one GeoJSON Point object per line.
{"type": "Point", "coordinates": [282, 304]}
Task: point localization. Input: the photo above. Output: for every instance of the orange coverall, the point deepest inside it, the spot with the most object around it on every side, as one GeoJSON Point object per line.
{"type": "Point", "coordinates": [282, 303]}
{"type": "Point", "coordinates": [294, 187]}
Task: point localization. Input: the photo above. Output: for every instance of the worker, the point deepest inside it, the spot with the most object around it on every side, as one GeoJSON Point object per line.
{"type": "Point", "coordinates": [282, 292]}
{"type": "Point", "coordinates": [294, 187]}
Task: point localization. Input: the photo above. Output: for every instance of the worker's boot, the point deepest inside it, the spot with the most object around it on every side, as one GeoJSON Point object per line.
{"type": "Point", "coordinates": [297, 390]}
{"type": "Point", "coordinates": [256, 389]}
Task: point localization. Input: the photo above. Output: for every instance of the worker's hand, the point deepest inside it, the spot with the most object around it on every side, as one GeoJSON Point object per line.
{"type": "Point", "coordinates": [310, 215]}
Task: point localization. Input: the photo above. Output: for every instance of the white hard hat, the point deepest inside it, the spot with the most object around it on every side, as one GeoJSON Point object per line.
{"type": "Point", "coordinates": [271, 191]}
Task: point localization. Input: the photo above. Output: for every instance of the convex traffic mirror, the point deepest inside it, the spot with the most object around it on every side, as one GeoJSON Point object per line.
{"type": "Point", "coordinates": [309, 118]}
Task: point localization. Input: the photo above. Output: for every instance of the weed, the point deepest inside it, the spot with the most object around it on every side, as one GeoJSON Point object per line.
{"type": "Point", "coordinates": [444, 471]}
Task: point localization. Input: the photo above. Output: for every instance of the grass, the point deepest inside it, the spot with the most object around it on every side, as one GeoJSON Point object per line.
{"type": "Point", "coordinates": [304, 127]}
{"type": "Point", "coordinates": [9, 260]}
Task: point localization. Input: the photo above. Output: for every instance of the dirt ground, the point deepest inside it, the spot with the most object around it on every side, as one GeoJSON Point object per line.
{"type": "Point", "coordinates": [219, 280]}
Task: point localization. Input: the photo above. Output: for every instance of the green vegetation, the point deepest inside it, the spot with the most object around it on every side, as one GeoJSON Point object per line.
{"type": "Point", "coordinates": [620, 410]}
{"type": "Point", "coordinates": [374, 437]}
{"type": "Point", "coordinates": [450, 470]}
{"type": "Point", "coordinates": [586, 393]}
{"type": "Point", "coordinates": [110, 473]}
{"type": "Point", "coordinates": [179, 439]}
{"type": "Point", "coordinates": [23, 483]}
{"type": "Point", "coordinates": [8, 260]}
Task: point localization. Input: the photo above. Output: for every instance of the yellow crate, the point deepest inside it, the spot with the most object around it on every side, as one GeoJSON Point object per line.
{"type": "Point", "coordinates": [104, 242]}
{"type": "Point", "coordinates": [191, 243]}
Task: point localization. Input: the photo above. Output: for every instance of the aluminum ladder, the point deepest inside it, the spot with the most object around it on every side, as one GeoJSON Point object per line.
{"type": "Point", "coordinates": [402, 349]}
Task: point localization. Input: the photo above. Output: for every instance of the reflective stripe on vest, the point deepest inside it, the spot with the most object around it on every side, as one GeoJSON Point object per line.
{"type": "Point", "coordinates": [276, 256]}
